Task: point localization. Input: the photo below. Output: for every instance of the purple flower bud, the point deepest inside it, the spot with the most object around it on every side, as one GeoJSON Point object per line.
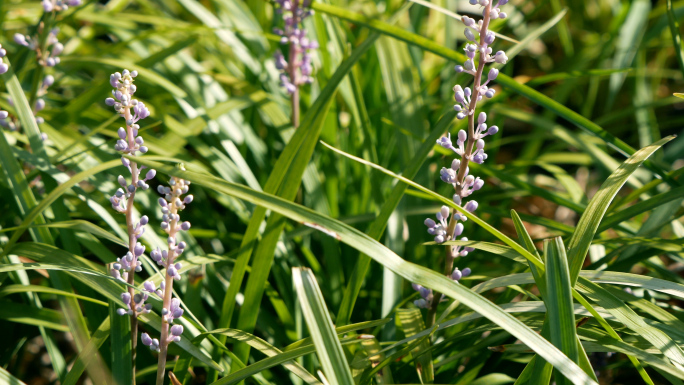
{"type": "Point", "coordinates": [182, 245]}
{"type": "Point", "coordinates": [172, 271]}
{"type": "Point", "coordinates": [3, 115]}
{"type": "Point", "coordinates": [500, 57]}
{"type": "Point", "coordinates": [185, 226]}
{"type": "Point", "coordinates": [144, 220]}
{"type": "Point", "coordinates": [416, 286]}
{"type": "Point", "coordinates": [478, 158]}
{"type": "Point", "coordinates": [458, 230]}
{"type": "Point", "coordinates": [462, 136]}
{"type": "Point", "coordinates": [430, 223]}
{"type": "Point", "coordinates": [122, 133]}
{"type": "Point", "coordinates": [121, 311]}
{"type": "Point", "coordinates": [445, 142]}
{"type": "Point", "coordinates": [188, 199]}
{"type": "Point", "coordinates": [177, 330]}
{"type": "Point", "coordinates": [149, 286]}
{"type": "Point", "coordinates": [126, 298]}
{"type": "Point", "coordinates": [457, 199]}
{"type": "Point", "coordinates": [444, 211]}
{"type": "Point", "coordinates": [146, 340]}
{"type": "Point", "coordinates": [48, 81]}
{"type": "Point", "coordinates": [492, 130]}
{"type": "Point", "coordinates": [456, 275]}
{"type": "Point", "coordinates": [493, 73]}
{"type": "Point", "coordinates": [458, 69]}
{"type": "Point", "coordinates": [471, 206]}
{"type": "Point", "coordinates": [20, 39]}
{"type": "Point", "coordinates": [490, 93]}
{"type": "Point", "coordinates": [155, 255]}
{"type": "Point", "coordinates": [469, 65]}
{"type": "Point", "coordinates": [469, 22]}
{"type": "Point", "coordinates": [466, 272]}
{"type": "Point", "coordinates": [469, 34]}
{"type": "Point", "coordinates": [139, 249]}
{"type": "Point", "coordinates": [150, 174]}
{"type": "Point", "coordinates": [489, 38]}
{"type": "Point", "coordinates": [478, 184]}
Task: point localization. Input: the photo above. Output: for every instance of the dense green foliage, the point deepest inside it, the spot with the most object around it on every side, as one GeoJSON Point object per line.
{"type": "Point", "coordinates": [301, 235]}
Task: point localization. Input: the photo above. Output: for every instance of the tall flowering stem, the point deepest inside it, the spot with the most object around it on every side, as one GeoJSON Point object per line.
{"type": "Point", "coordinates": [175, 198]}
{"type": "Point", "coordinates": [130, 143]}
{"type": "Point", "coordinates": [48, 49]}
{"type": "Point", "coordinates": [470, 145]}
{"type": "Point", "coordinates": [297, 69]}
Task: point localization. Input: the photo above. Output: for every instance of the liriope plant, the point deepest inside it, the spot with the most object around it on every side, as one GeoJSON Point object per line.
{"type": "Point", "coordinates": [130, 143]}
{"type": "Point", "coordinates": [297, 69]}
{"type": "Point", "coordinates": [47, 48]}
{"type": "Point", "coordinates": [469, 145]}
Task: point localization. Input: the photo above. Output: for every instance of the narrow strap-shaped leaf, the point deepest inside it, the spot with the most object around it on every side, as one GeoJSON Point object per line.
{"type": "Point", "coordinates": [489, 228]}
{"type": "Point", "coordinates": [578, 246]}
{"type": "Point", "coordinates": [411, 322]}
{"type": "Point", "coordinates": [276, 177]}
{"type": "Point", "coordinates": [558, 300]}
{"type": "Point", "coordinates": [384, 256]}
{"type": "Point", "coordinates": [641, 207]}
{"type": "Point", "coordinates": [265, 348]}
{"type": "Point", "coordinates": [502, 79]}
{"type": "Point", "coordinates": [377, 227]}
{"type": "Point", "coordinates": [8, 378]}
{"type": "Point", "coordinates": [633, 321]}
{"type": "Point", "coordinates": [120, 340]}
{"type": "Point", "coordinates": [321, 328]}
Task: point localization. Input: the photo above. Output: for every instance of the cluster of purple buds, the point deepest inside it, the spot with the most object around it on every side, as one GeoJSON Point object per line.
{"type": "Point", "coordinates": [4, 67]}
{"type": "Point", "coordinates": [162, 259]}
{"type": "Point", "coordinates": [39, 105]}
{"type": "Point", "coordinates": [298, 69]}
{"type": "Point", "coordinates": [117, 200]}
{"type": "Point", "coordinates": [475, 45]}
{"type": "Point", "coordinates": [426, 294]}
{"type": "Point", "coordinates": [469, 149]}
{"type": "Point", "coordinates": [129, 142]}
{"type": "Point", "coordinates": [175, 198]}
{"type": "Point", "coordinates": [13, 125]}
{"type": "Point", "coordinates": [135, 305]}
{"type": "Point", "coordinates": [59, 5]}
{"type": "Point", "coordinates": [131, 261]}
{"type": "Point", "coordinates": [53, 48]}
{"type": "Point", "coordinates": [169, 315]}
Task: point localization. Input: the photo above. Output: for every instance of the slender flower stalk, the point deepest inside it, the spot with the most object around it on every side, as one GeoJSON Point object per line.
{"type": "Point", "coordinates": [469, 145]}
{"type": "Point", "coordinates": [171, 203]}
{"type": "Point", "coordinates": [130, 143]}
{"type": "Point", "coordinates": [297, 69]}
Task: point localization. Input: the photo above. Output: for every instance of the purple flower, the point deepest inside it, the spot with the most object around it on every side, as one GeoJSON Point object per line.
{"type": "Point", "coordinates": [469, 147]}
{"type": "Point", "coordinates": [296, 69]}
